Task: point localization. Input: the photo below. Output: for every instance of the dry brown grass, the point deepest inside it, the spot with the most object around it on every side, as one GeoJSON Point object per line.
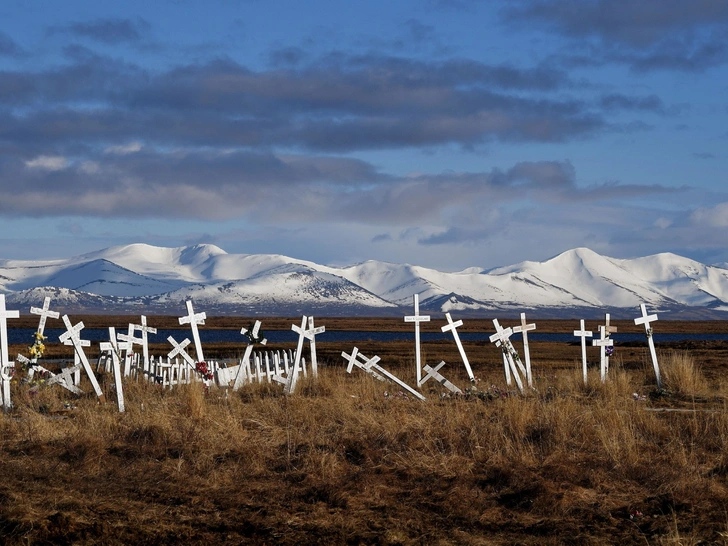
{"type": "Point", "coordinates": [341, 463]}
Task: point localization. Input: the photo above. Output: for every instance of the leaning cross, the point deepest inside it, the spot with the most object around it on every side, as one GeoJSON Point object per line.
{"type": "Point", "coordinates": [583, 334]}
{"type": "Point", "coordinates": [112, 346]}
{"type": "Point", "coordinates": [244, 367]}
{"type": "Point", "coordinates": [603, 342]}
{"type": "Point", "coordinates": [5, 361]}
{"type": "Point", "coordinates": [452, 326]}
{"type": "Point", "coordinates": [524, 329]}
{"type": "Point", "coordinates": [65, 380]}
{"type": "Point", "coordinates": [73, 333]}
{"type": "Point", "coordinates": [179, 349]}
{"type": "Point", "coordinates": [293, 374]}
{"type": "Point", "coordinates": [501, 338]}
{"type": "Point", "coordinates": [434, 374]}
{"type": "Point", "coordinates": [417, 318]}
{"type": "Point", "coordinates": [76, 358]}
{"type": "Point", "coordinates": [646, 319]}
{"type": "Point", "coordinates": [44, 313]}
{"type": "Point", "coordinates": [193, 320]}
{"type": "Point", "coordinates": [371, 365]}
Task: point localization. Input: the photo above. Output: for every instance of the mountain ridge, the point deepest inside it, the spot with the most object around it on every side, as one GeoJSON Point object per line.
{"type": "Point", "coordinates": [577, 280]}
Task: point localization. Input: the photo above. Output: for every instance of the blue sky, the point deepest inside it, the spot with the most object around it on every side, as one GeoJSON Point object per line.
{"type": "Point", "coordinates": [443, 133]}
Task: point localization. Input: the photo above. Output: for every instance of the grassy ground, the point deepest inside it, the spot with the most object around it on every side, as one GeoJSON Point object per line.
{"type": "Point", "coordinates": [341, 462]}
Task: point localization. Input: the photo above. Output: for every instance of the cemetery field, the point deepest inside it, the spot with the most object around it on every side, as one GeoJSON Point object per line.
{"type": "Point", "coordinates": [351, 460]}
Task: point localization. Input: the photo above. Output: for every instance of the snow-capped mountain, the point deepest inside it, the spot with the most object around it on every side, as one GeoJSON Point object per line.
{"type": "Point", "coordinates": [119, 277]}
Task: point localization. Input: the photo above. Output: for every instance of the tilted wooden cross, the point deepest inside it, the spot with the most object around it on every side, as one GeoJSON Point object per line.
{"type": "Point", "coordinates": [74, 334]}
{"type": "Point", "coordinates": [523, 329]}
{"type": "Point", "coordinates": [112, 346]}
{"type": "Point", "coordinates": [646, 320]}
{"type": "Point", "coordinates": [452, 326]}
{"type": "Point", "coordinates": [194, 319]}
{"type": "Point", "coordinates": [417, 318]}
{"type": "Point", "coordinates": [45, 313]}
{"type": "Point", "coordinates": [65, 379]}
{"type": "Point", "coordinates": [371, 364]}
{"type": "Point", "coordinates": [293, 375]}
{"type": "Point", "coordinates": [583, 334]}
{"type": "Point", "coordinates": [434, 374]}
{"type": "Point", "coordinates": [501, 338]}
{"type": "Point", "coordinates": [76, 358]}
{"type": "Point", "coordinates": [179, 350]}
{"type": "Point", "coordinates": [311, 334]}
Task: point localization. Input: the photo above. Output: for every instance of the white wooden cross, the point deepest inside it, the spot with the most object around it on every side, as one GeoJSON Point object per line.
{"type": "Point", "coordinates": [583, 334]}
{"type": "Point", "coordinates": [365, 364]}
{"type": "Point", "coordinates": [417, 318]}
{"type": "Point", "coordinates": [372, 364]}
{"type": "Point", "coordinates": [603, 342]}
{"type": "Point", "coordinates": [112, 346]}
{"type": "Point", "coordinates": [646, 319]}
{"type": "Point", "coordinates": [5, 362]}
{"type": "Point", "coordinates": [609, 330]}
{"type": "Point", "coordinates": [253, 336]}
{"type": "Point", "coordinates": [129, 342]}
{"type": "Point", "coordinates": [244, 371]}
{"type": "Point", "coordinates": [145, 330]}
{"type": "Point", "coordinates": [194, 320]}
{"type": "Point", "coordinates": [434, 374]}
{"type": "Point", "coordinates": [501, 338]}
{"type": "Point", "coordinates": [311, 337]}
{"type": "Point", "coordinates": [65, 380]}
{"type": "Point", "coordinates": [523, 329]}
{"type": "Point", "coordinates": [73, 333]}
{"type": "Point", "coordinates": [452, 326]}
{"type": "Point", "coordinates": [44, 313]}
{"type": "Point", "coordinates": [76, 358]}
{"type": "Point", "coordinates": [293, 375]}
{"type": "Point", "coordinates": [179, 349]}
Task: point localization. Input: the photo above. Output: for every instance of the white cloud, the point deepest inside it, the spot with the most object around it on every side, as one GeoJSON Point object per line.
{"type": "Point", "coordinates": [124, 149]}
{"type": "Point", "coordinates": [48, 163]}
{"type": "Point", "coordinates": [716, 216]}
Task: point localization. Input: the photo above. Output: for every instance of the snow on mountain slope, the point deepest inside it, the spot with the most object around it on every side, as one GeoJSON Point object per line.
{"type": "Point", "coordinates": [285, 286]}
{"type": "Point", "coordinates": [576, 278]}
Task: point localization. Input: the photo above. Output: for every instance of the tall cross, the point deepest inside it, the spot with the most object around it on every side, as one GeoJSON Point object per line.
{"type": "Point", "coordinates": [646, 319]}
{"type": "Point", "coordinates": [501, 338]}
{"type": "Point", "coordinates": [310, 335]}
{"type": "Point", "coordinates": [44, 313]}
{"type": "Point", "coordinates": [194, 320]}
{"type": "Point", "coordinates": [583, 334]}
{"type": "Point", "coordinates": [609, 330]}
{"type": "Point", "coordinates": [112, 346]}
{"type": "Point", "coordinates": [130, 341]}
{"type": "Point", "coordinates": [417, 318]}
{"type": "Point", "coordinates": [603, 342]}
{"type": "Point", "coordinates": [523, 329]}
{"type": "Point", "coordinates": [74, 334]}
{"type": "Point", "coordinates": [293, 375]}
{"type": "Point", "coordinates": [145, 330]}
{"type": "Point", "coordinates": [452, 326]}
{"type": "Point", "coordinates": [5, 362]}
{"type": "Point", "coordinates": [77, 359]}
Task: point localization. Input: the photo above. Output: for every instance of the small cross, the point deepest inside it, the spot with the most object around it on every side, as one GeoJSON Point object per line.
{"type": "Point", "coordinates": [44, 313]}
{"type": "Point", "coordinates": [603, 342]}
{"type": "Point", "coordinates": [194, 320]}
{"type": "Point", "coordinates": [253, 335]}
{"type": "Point", "coordinates": [74, 334]}
{"type": "Point", "coordinates": [434, 374]}
{"type": "Point", "coordinates": [645, 319]}
{"type": "Point", "coordinates": [179, 349]}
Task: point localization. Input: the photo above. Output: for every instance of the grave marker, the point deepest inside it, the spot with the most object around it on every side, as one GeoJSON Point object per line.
{"type": "Point", "coordinates": [609, 330]}
{"type": "Point", "coordinates": [145, 331]}
{"type": "Point", "coordinates": [434, 374]}
{"type": "Point", "coordinates": [311, 336]}
{"type": "Point", "coordinates": [583, 334]}
{"type": "Point", "coordinates": [603, 342]}
{"type": "Point", "coordinates": [371, 364]}
{"type": "Point", "coordinates": [194, 320]}
{"type": "Point", "coordinates": [452, 326]}
{"type": "Point", "coordinates": [112, 346]}
{"type": "Point", "coordinates": [73, 333]}
{"type": "Point", "coordinates": [417, 318]}
{"type": "Point", "coordinates": [646, 319]}
{"type": "Point", "coordinates": [5, 363]}
{"type": "Point", "coordinates": [293, 375]}
{"type": "Point", "coordinates": [523, 329]}
{"type": "Point", "coordinates": [501, 338]}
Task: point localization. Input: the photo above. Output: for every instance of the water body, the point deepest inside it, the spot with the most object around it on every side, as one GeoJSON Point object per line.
{"type": "Point", "coordinates": [25, 335]}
